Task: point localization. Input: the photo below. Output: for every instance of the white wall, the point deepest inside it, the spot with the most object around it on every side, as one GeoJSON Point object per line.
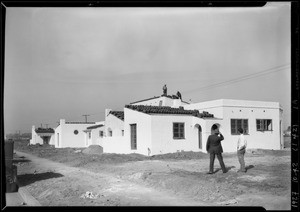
{"type": "Point", "coordinates": [115, 145]}
{"type": "Point", "coordinates": [57, 135]}
{"type": "Point", "coordinates": [162, 134]}
{"type": "Point", "coordinates": [143, 127]}
{"type": "Point", "coordinates": [256, 139]}
{"type": "Point", "coordinates": [240, 109]}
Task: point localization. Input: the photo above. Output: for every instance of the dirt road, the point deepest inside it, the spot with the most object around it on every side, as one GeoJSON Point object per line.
{"type": "Point", "coordinates": [56, 184]}
{"type": "Point", "coordinates": [180, 182]}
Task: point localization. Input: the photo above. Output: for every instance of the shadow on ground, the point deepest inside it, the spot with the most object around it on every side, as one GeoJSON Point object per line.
{"type": "Point", "coordinates": [249, 167]}
{"type": "Point", "coordinates": [20, 160]}
{"type": "Point", "coordinates": [27, 179]}
{"type": "Point", "coordinates": [227, 169]}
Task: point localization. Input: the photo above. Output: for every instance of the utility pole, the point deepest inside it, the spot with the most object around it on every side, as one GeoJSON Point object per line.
{"type": "Point", "coordinates": [47, 126]}
{"type": "Point", "coordinates": [86, 117]}
{"type": "Point", "coordinates": [41, 125]}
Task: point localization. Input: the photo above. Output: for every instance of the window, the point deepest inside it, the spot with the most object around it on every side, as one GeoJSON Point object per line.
{"type": "Point", "coordinates": [133, 136]}
{"type": "Point", "coordinates": [264, 124]}
{"type": "Point", "coordinates": [237, 123]}
{"type": "Point", "coordinates": [160, 103]}
{"type": "Point", "coordinates": [109, 132]}
{"type": "Point", "coordinates": [101, 133]}
{"type": "Point", "coordinates": [75, 132]}
{"type": "Point", "coordinates": [89, 135]}
{"type": "Point", "coordinates": [122, 132]}
{"type": "Point", "coordinates": [178, 130]}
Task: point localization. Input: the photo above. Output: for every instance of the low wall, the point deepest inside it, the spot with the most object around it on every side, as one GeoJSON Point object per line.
{"type": "Point", "coordinates": [116, 145]}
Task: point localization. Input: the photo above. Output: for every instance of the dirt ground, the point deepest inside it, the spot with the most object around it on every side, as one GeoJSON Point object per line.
{"type": "Point", "coordinates": [62, 177]}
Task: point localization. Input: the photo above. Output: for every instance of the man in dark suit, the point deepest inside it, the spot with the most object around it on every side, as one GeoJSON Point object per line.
{"type": "Point", "coordinates": [214, 147]}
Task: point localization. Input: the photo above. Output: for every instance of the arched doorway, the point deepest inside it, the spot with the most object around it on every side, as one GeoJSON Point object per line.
{"type": "Point", "coordinates": [46, 139]}
{"type": "Point", "coordinates": [216, 125]}
{"type": "Point", "coordinates": [199, 132]}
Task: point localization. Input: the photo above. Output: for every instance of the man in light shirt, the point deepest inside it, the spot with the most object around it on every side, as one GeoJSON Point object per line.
{"type": "Point", "coordinates": [241, 149]}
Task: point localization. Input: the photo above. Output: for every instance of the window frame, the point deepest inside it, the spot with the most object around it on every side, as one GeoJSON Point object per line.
{"type": "Point", "coordinates": [101, 133]}
{"type": "Point", "coordinates": [264, 125]}
{"type": "Point", "coordinates": [244, 124]}
{"type": "Point", "coordinates": [180, 131]}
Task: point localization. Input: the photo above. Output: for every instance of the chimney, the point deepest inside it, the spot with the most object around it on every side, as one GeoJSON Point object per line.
{"type": "Point", "coordinates": [62, 121]}
{"type": "Point", "coordinates": [107, 111]}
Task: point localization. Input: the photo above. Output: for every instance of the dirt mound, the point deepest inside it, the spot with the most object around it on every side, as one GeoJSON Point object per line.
{"type": "Point", "coordinates": [119, 158]}
{"type": "Point", "coordinates": [180, 155]}
{"type": "Point", "coordinates": [93, 150]}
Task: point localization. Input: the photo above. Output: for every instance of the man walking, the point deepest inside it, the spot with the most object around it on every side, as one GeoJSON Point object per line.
{"type": "Point", "coordinates": [241, 149]}
{"type": "Point", "coordinates": [214, 147]}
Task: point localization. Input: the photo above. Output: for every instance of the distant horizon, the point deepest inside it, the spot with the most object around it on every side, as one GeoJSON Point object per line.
{"type": "Point", "coordinates": [64, 63]}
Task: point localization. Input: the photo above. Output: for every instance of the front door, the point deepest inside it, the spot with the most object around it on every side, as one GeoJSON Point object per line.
{"type": "Point", "coordinates": [57, 139]}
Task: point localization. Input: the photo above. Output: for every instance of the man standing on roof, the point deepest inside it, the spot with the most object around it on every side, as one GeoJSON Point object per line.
{"type": "Point", "coordinates": [214, 147]}
{"type": "Point", "coordinates": [165, 90]}
{"type": "Point", "coordinates": [179, 95]}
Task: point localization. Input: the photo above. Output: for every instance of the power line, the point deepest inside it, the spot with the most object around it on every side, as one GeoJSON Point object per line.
{"type": "Point", "coordinates": [246, 77]}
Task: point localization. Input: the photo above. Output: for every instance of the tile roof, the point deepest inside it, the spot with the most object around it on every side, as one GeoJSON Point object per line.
{"type": "Point", "coordinates": [44, 130]}
{"type": "Point", "coordinates": [118, 114]}
{"type": "Point", "coordinates": [95, 126]}
{"type": "Point", "coordinates": [168, 110]}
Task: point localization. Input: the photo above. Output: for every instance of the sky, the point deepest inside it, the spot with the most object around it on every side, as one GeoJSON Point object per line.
{"type": "Point", "coordinates": [63, 63]}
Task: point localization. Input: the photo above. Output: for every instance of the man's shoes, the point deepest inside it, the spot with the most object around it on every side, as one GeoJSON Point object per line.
{"type": "Point", "coordinates": [209, 173]}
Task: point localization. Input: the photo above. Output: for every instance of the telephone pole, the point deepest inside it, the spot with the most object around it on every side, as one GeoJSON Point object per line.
{"type": "Point", "coordinates": [86, 117]}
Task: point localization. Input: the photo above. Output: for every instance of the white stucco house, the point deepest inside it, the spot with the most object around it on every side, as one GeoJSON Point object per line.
{"type": "Point", "coordinates": [71, 134]}
{"type": "Point", "coordinates": [166, 124]}
{"type": "Point", "coordinates": [41, 136]}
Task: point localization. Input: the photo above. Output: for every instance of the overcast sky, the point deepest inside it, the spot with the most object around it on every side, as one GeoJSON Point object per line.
{"type": "Point", "coordinates": [67, 62]}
